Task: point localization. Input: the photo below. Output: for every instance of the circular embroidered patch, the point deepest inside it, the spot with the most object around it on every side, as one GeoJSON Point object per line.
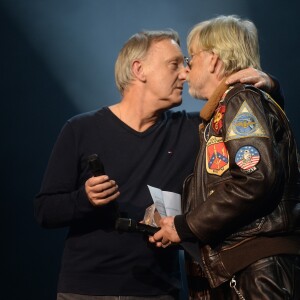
{"type": "Point", "coordinates": [244, 124]}
{"type": "Point", "coordinates": [247, 158]}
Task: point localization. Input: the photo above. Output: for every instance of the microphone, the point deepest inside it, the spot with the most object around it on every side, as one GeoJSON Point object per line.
{"type": "Point", "coordinates": [129, 225]}
{"type": "Point", "coordinates": [95, 165]}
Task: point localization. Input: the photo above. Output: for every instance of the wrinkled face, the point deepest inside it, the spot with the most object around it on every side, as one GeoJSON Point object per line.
{"type": "Point", "coordinates": [198, 73]}
{"type": "Point", "coordinates": [165, 73]}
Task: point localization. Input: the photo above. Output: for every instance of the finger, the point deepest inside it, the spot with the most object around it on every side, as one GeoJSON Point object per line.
{"type": "Point", "coordinates": [154, 241]}
{"type": "Point", "coordinates": [158, 236]}
{"type": "Point", "coordinates": [237, 77]}
{"type": "Point", "coordinates": [244, 75]}
{"type": "Point", "coordinates": [151, 239]}
{"type": "Point", "coordinates": [167, 244]}
{"type": "Point", "coordinates": [158, 244]}
{"type": "Point", "coordinates": [104, 201]}
{"type": "Point", "coordinates": [260, 84]}
{"type": "Point", "coordinates": [93, 181]}
{"type": "Point", "coordinates": [104, 191]}
{"type": "Point", "coordinates": [106, 186]}
{"type": "Point", "coordinates": [231, 80]}
{"type": "Point", "coordinates": [105, 194]}
{"type": "Point", "coordinates": [250, 79]}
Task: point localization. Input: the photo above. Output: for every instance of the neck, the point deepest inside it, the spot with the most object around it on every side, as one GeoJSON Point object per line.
{"type": "Point", "coordinates": [134, 115]}
{"type": "Point", "coordinates": [213, 101]}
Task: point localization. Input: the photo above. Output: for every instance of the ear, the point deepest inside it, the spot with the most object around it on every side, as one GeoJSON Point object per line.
{"type": "Point", "coordinates": [213, 64]}
{"type": "Point", "coordinates": [138, 71]}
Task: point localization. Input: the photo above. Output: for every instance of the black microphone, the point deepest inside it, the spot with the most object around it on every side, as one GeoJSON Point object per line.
{"type": "Point", "coordinates": [129, 225]}
{"type": "Point", "coordinates": [95, 165]}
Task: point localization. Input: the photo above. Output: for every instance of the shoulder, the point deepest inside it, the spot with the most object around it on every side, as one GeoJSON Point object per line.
{"type": "Point", "coordinates": [239, 93]}
{"type": "Point", "coordinates": [88, 116]}
{"type": "Point", "coordinates": [84, 123]}
{"type": "Point", "coordinates": [239, 89]}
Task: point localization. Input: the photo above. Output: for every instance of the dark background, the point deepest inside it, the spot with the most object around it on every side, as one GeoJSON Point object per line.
{"type": "Point", "coordinates": [57, 60]}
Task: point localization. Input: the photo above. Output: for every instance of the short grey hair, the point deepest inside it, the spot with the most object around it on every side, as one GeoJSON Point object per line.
{"type": "Point", "coordinates": [136, 48]}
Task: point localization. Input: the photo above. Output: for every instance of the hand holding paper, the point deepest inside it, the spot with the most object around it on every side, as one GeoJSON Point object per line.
{"type": "Point", "coordinates": [168, 205]}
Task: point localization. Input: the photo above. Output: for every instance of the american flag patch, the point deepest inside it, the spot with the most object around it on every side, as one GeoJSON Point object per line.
{"type": "Point", "coordinates": [247, 158]}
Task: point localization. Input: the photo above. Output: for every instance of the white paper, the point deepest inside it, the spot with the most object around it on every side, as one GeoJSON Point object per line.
{"type": "Point", "coordinates": [166, 203]}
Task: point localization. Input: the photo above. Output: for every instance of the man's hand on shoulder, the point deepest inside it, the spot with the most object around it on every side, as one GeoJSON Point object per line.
{"type": "Point", "coordinates": [252, 76]}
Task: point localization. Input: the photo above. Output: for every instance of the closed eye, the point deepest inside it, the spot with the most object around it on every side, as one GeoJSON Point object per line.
{"type": "Point", "coordinates": [174, 65]}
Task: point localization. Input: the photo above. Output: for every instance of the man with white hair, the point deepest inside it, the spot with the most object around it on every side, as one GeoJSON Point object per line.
{"type": "Point", "coordinates": [241, 205]}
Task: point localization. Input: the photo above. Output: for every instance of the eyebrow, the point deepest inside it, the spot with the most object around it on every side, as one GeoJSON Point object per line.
{"type": "Point", "coordinates": [177, 57]}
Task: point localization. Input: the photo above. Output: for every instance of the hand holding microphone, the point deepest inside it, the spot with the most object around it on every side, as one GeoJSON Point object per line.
{"type": "Point", "coordinates": [99, 188]}
{"type": "Point", "coordinates": [167, 233]}
{"type": "Point", "coordinates": [129, 225]}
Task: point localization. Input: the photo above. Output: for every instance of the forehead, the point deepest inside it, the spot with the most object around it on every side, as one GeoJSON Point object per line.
{"type": "Point", "coordinates": [164, 49]}
{"type": "Point", "coordinates": [193, 47]}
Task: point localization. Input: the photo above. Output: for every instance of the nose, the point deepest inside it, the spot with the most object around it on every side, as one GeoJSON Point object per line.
{"type": "Point", "coordinates": [183, 73]}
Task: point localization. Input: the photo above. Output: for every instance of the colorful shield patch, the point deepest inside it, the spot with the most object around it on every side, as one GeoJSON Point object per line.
{"type": "Point", "coordinates": [217, 157]}
{"type": "Point", "coordinates": [245, 124]}
{"type": "Point", "coordinates": [247, 158]}
{"type": "Point", "coordinates": [217, 121]}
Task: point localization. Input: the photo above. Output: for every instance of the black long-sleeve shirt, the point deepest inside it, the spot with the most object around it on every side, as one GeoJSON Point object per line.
{"type": "Point", "coordinates": [98, 260]}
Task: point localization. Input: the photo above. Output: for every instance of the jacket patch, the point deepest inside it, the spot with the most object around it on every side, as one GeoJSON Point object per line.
{"type": "Point", "coordinates": [217, 157]}
{"type": "Point", "coordinates": [247, 158]}
{"type": "Point", "coordinates": [245, 124]}
{"type": "Point", "coordinates": [217, 121]}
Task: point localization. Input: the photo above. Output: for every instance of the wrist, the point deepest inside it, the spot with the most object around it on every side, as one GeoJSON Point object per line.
{"type": "Point", "coordinates": [183, 230]}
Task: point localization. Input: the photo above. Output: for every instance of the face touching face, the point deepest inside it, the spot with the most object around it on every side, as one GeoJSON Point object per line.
{"type": "Point", "coordinates": [198, 73]}
{"type": "Point", "coordinates": [165, 73]}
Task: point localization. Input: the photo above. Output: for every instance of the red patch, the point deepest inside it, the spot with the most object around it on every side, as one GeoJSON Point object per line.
{"type": "Point", "coordinates": [217, 121]}
{"type": "Point", "coordinates": [217, 157]}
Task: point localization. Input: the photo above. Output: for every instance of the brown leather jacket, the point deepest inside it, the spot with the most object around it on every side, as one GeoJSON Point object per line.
{"type": "Point", "coordinates": [243, 199]}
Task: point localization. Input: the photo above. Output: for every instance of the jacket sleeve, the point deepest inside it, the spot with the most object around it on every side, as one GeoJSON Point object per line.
{"type": "Point", "coordinates": [251, 187]}
{"type": "Point", "coordinates": [277, 92]}
{"type": "Point", "coordinates": [62, 198]}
